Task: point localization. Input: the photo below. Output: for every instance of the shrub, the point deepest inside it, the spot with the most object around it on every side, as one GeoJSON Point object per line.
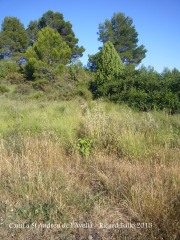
{"type": "Point", "coordinates": [23, 89]}
{"type": "Point", "coordinates": [142, 89]}
{"type": "Point", "coordinates": [83, 92]}
{"type": "Point", "coordinates": [7, 67]}
{"type": "Point", "coordinates": [3, 89]}
{"type": "Point", "coordinates": [40, 84]}
{"type": "Point", "coordinates": [15, 78]}
{"type": "Point", "coordinates": [37, 94]}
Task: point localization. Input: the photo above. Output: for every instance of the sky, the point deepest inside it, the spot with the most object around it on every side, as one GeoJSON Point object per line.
{"type": "Point", "coordinates": [157, 23]}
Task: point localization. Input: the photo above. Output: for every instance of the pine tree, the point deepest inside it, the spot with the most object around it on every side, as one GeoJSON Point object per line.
{"type": "Point", "coordinates": [13, 37]}
{"type": "Point", "coordinates": [121, 32]}
{"type": "Point", "coordinates": [56, 21]}
{"type": "Point", "coordinates": [51, 48]}
{"type": "Point", "coordinates": [109, 68]}
{"type": "Point", "coordinates": [47, 54]}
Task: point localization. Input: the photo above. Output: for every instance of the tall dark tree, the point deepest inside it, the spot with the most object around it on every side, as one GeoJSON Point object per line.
{"type": "Point", "coordinates": [122, 33]}
{"type": "Point", "coordinates": [56, 21]}
{"type": "Point", "coordinates": [13, 37]}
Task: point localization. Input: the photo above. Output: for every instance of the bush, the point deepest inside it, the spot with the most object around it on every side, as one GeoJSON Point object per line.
{"type": "Point", "coordinates": [15, 78]}
{"type": "Point", "coordinates": [23, 89]}
{"type": "Point", "coordinates": [37, 95]}
{"type": "Point", "coordinates": [83, 92]}
{"type": "Point", "coordinates": [7, 67]}
{"type": "Point", "coordinates": [40, 84]}
{"type": "Point", "coordinates": [142, 89]}
{"type": "Point", "coordinates": [3, 89]}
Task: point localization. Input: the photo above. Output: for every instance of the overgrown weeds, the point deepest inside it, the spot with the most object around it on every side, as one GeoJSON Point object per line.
{"type": "Point", "coordinates": [104, 166]}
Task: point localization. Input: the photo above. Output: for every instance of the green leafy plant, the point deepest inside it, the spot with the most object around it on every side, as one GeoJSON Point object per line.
{"type": "Point", "coordinates": [85, 146]}
{"type": "Point", "coordinates": [35, 211]}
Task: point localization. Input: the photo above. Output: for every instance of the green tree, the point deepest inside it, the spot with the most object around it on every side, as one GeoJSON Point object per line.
{"type": "Point", "coordinates": [32, 31]}
{"type": "Point", "coordinates": [92, 61]}
{"type": "Point", "coordinates": [109, 69]}
{"type": "Point", "coordinates": [47, 54]}
{"type": "Point", "coordinates": [56, 21]}
{"type": "Point", "coordinates": [121, 32]}
{"type": "Point", "coordinates": [13, 37]}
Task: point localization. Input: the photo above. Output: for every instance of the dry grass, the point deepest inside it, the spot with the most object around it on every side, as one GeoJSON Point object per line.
{"type": "Point", "coordinates": [131, 176]}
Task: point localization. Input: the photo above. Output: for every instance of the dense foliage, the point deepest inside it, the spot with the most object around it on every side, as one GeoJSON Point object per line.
{"type": "Point", "coordinates": [47, 54]}
{"type": "Point", "coordinates": [145, 89]}
{"type": "Point", "coordinates": [13, 37]}
{"type": "Point", "coordinates": [42, 62]}
{"type": "Point", "coordinates": [109, 68]}
{"type": "Point", "coordinates": [56, 21]}
{"type": "Point", "coordinates": [122, 33]}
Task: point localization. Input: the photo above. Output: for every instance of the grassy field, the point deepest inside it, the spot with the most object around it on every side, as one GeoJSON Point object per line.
{"type": "Point", "coordinates": [92, 170]}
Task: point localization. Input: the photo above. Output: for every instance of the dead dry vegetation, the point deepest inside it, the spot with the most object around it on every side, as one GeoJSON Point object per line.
{"type": "Point", "coordinates": [104, 166]}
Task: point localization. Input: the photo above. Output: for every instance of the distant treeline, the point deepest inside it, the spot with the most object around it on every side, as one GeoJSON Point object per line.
{"type": "Point", "coordinates": [44, 60]}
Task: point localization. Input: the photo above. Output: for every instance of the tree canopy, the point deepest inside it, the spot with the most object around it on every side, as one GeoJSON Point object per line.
{"type": "Point", "coordinates": [51, 48]}
{"type": "Point", "coordinates": [56, 21]}
{"type": "Point", "coordinates": [49, 51]}
{"type": "Point", "coordinates": [122, 33]}
{"type": "Point", "coordinates": [13, 37]}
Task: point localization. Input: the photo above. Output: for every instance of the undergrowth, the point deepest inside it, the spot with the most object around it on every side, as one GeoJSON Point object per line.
{"type": "Point", "coordinates": [102, 165]}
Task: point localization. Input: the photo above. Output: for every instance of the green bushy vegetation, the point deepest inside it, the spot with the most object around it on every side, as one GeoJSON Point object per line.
{"type": "Point", "coordinates": [7, 67]}
{"type": "Point", "coordinates": [44, 63]}
{"type": "Point", "coordinates": [143, 89]}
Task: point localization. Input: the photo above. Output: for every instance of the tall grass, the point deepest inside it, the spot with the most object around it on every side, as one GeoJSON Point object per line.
{"type": "Point", "coordinates": [130, 134]}
{"type": "Point", "coordinates": [130, 176]}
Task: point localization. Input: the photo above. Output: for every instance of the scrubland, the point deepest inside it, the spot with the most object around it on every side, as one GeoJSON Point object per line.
{"type": "Point", "coordinates": [89, 169]}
